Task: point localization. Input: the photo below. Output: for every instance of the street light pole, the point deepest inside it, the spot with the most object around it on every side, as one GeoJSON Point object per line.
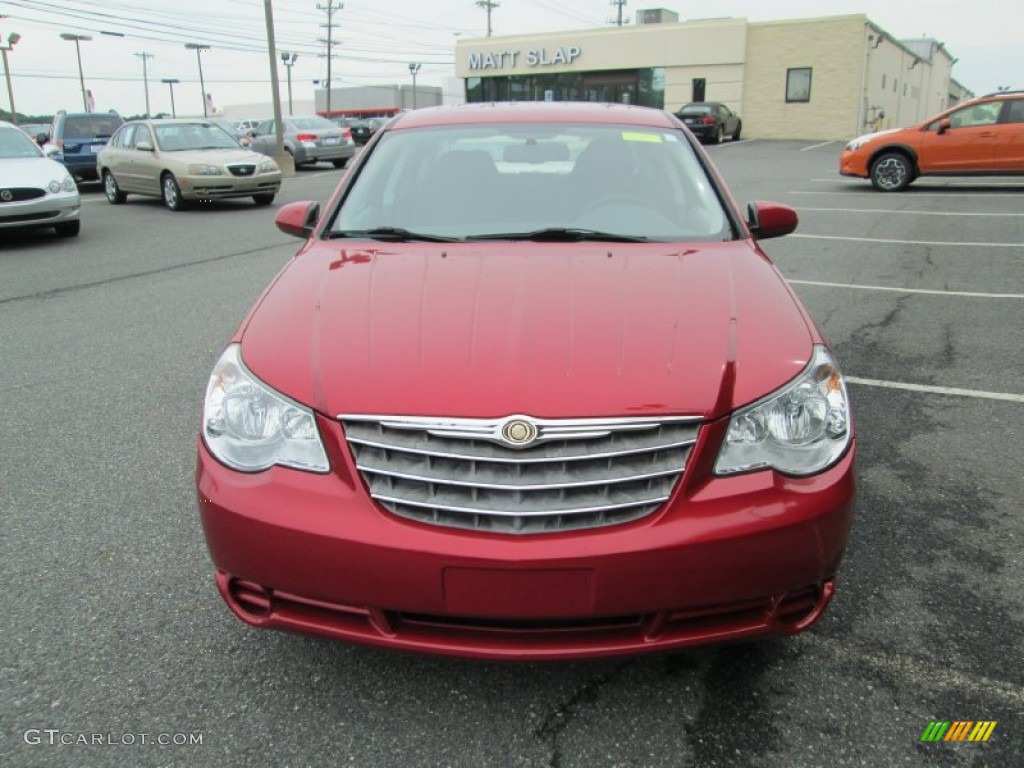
{"type": "Point", "coordinates": [289, 60]}
{"type": "Point", "coordinates": [145, 77]}
{"type": "Point", "coordinates": [197, 47]}
{"type": "Point", "coordinates": [78, 50]}
{"type": "Point", "coordinates": [413, 69]}
{"type": "Point", "coordinates": [170, 84]}
{"type": "Point", "coordinates": [12, 40]}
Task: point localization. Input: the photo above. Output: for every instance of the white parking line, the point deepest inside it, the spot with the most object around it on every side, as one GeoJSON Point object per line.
{"type": "Point", "coordinates": [932, 292]}
{"type": "Point", "coordinates": [916, 213]}
{"type": "Point", "coordinates": [866, 190]}
{"type": "Point", "coordinates": [910, 242]}
{"type": "Point", "coordinates": [954, 391]}
{"type": "Point", "coordinates": [815, 146]}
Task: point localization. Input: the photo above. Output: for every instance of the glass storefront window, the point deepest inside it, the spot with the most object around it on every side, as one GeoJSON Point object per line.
{"type": "Point", "coordinates": [640, 86]}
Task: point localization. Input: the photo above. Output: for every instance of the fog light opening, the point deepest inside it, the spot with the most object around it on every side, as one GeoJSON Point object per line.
{"type": "Point", "coordinates": [255, 600]}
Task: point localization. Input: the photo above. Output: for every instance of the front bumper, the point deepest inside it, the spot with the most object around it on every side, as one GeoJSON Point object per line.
{"type": "Point", "coordinates": [853, 164]}
{"type": "Point", "coordinates": [225, 187]}
{"type": "Point", "coordinates": [724, 559]}
{"type": "Point", "coordinates": [44, 211]}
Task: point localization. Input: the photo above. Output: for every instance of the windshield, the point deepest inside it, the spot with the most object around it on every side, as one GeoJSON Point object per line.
{"type": "Point", "coordinates": [471, 181]}
{"type": "Point", "coordinates": [91, 127]}
{"type": "Point", "coordinates": [14, 143]}
{"type": "Point", "coordinates": [176, 137]}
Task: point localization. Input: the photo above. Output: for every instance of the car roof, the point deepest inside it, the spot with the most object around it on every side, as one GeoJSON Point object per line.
{"type": "Point", "coordinates": [535, 111]}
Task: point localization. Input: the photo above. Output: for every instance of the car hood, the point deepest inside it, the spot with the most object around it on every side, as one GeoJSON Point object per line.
{"type": "Point", "coordinates": [30, 171]}
{"type": "Point", "coordinates": [572, 330]}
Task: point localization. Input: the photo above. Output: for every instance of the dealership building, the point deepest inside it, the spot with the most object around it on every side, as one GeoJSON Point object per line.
{"type": "Point", "coordinates": [821, 78]}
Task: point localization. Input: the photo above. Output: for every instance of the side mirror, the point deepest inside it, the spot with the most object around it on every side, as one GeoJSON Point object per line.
{"type": "Point", "coordinates": [770, 220]}
{"type": "Point", "coordinates": [298, 219]}
{"type": "Point", "coordinates": [944, 125]}
{"type": "Point", "coordinates": [144, 146]}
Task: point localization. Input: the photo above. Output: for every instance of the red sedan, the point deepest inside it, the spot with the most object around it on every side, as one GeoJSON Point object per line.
{"type": "Point", "coordinates": [529, 390]}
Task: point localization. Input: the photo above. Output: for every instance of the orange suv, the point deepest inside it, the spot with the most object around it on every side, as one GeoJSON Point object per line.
{"type": "Point", "coordinates": [983, 136]}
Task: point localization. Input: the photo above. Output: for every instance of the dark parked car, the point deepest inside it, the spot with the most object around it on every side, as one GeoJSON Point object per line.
{"type": "Point", "coordinates": [308, 140]}
{"type": "Point", "coordinates": [530, 389]}
{"type": "Point", "coordinates": [711, 121]}
{"type": "Point", "coordinates": [363, 130]}
{"type": "Point", "coordinates": [80, 136]}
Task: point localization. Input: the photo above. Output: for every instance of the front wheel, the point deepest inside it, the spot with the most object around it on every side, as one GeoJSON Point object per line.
{"type": "Point", "coordinates": [736, 133]}
{"type": "Point", "coordinates": [110, 187]}
{"type": "Point", "coordinates": [891, 172]}
{"type": "Point", "coordinates": [171, 192]}
{"type": "Point", "coordinates": [263, 199]}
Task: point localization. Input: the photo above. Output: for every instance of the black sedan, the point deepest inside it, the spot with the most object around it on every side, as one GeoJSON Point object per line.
{"type": "Point", "coordinates": [363, 130]}
{"type": "Point", "coordinates": [711, 121]}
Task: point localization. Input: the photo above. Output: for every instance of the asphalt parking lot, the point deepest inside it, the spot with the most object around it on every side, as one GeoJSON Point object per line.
{"type": "Point", "coordinates": [113, 627]}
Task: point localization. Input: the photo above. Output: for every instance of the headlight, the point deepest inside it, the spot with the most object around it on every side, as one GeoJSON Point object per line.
{"type": "Point", "coordinates": [267, 166]}
{"type": "Point", "coordinates": [799, 430]}
{"type": "Point", "coordinates": [68, 185]}
{"type": "Point", "coordinates": [54, 186]}
{"type": "Point", "coordinates": [202, 169]}
{"type": "Point", "coordinates": [250, 427]}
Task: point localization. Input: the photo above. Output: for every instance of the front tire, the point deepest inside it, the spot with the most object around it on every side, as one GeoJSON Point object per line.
{"type": "Point", "coordinates": [68, 228]}
{"type": "Point", "coordinates": [113, 192]}
{"type": "Point", "coordinates": [891, 172]}
{"type": "Point", "coordinates": [171, 192]}
{"type": "Point", "coordinates": [736, 134]}
{"type": "Point", "coordinates": [263, 199]}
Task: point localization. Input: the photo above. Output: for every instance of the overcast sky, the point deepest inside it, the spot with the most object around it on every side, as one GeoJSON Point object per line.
{"type": "Point", "coordinates": [379, 38]}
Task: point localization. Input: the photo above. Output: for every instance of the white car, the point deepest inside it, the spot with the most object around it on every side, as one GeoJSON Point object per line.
{"type": "Point", "coordinates": [35, 191]}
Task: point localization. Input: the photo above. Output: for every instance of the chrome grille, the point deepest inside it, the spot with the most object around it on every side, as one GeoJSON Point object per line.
{"type": "Point", "coordinates": [17, 194]}
{"type": "Point", "coordinates": [578, 473]}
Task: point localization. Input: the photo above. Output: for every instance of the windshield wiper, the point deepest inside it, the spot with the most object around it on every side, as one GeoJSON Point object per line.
{"type": "Point", "coordinates": [392, 235]}
{"type": "Point", "coordinates": [563, 235]}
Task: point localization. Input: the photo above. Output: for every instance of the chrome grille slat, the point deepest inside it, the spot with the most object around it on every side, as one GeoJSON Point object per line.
{"type": "Point", "coordinates": [574, 473]}
{"type": "Point", "coordinates": [521, 458]}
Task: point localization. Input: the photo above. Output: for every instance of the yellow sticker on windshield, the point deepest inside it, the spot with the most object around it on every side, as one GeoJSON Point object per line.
{"type": "Point", "coordinates": [632, 136]}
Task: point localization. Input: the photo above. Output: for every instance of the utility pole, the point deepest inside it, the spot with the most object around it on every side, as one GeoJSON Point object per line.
{"type": "Point", "coordinates": [275, 86]}
{"type": "Point", "coordinates": [488, 5]}
{"type": "Point", "coordinates": [145, 76]}
{"type": "Point", "coordinates": [330, 9]}
{"type": "Point", "coordinates": [12, 40]}
{"type": "Point", "coordinates": [621, 4]}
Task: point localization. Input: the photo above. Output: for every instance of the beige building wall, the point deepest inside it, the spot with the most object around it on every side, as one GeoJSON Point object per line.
{"type": "Point", "coordinates": [858, 70]}
{"type": "Point", "coordinates": [833, 48]}
{"type": "Point", "coordinates": [713, 49]}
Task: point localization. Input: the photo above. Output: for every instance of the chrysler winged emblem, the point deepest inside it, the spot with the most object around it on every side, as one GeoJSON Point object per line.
{"type": "Point", "coordinates": [519, 432]}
